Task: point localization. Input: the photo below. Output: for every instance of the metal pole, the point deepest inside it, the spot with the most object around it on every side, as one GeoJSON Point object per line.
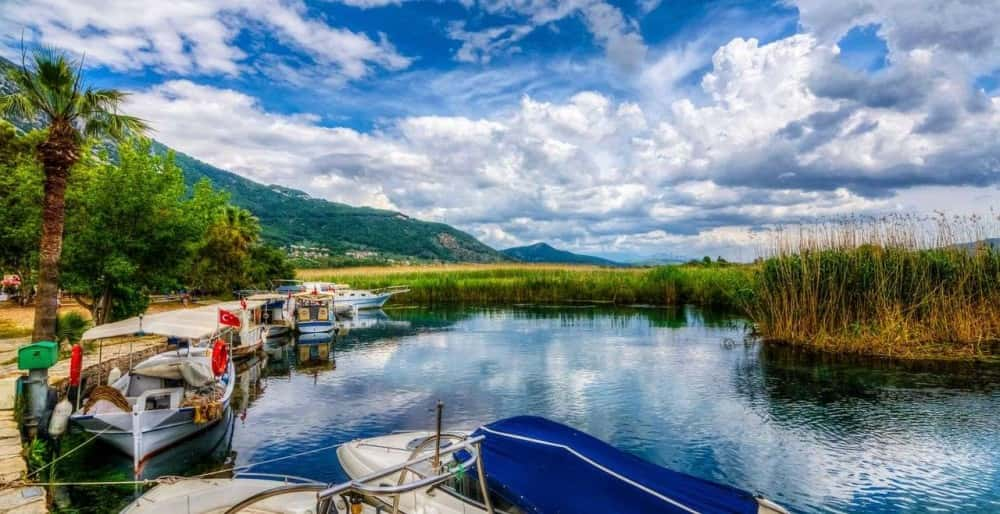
{"type": "Point", "coordinates": [482, 478]}
{"type": "Point", "coordinates": [436, 465]}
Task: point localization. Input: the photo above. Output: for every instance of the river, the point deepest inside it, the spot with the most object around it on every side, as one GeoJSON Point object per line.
{"type": "Point", "coordinates": [682, 387]}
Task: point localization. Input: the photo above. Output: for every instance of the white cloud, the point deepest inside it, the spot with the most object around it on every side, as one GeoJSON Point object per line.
{"type": "Point", "coordinates": [188, 37]}
{"type": "Point", "coordinates": [618, 35]}
{"type": "Point", "coordinates": [481, 46]}
{"type": "Point", "coordinates": [602, 175]}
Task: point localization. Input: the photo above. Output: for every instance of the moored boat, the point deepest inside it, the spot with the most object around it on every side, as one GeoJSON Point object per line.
{"type": "Point", "coordinates": [357, 299]}
{"type": "Point", "coordinates": [313, 312]}
{"type": "Point", "coordinates": [537, 466]}
{"type": "Point", "coordinates": [161, 401]}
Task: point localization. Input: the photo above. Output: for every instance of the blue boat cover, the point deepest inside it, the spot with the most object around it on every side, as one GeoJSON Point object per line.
{"type": "Point", "coordinates": [544, 467]}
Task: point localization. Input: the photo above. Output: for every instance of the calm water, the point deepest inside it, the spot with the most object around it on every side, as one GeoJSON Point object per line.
{"type": "Point", "coordinates": [678, 387]}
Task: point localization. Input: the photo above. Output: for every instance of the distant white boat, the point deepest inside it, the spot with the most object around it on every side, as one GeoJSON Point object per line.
{"type": "Point", "coordinates": [359, 299]}
{"type": "Point", "coordinates": [170, 397]}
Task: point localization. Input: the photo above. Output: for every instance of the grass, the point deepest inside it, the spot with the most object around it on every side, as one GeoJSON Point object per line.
{"type": "Point", "coordinates": [500, 284]}
{"type": "Point", "coordinates": [897, 287]}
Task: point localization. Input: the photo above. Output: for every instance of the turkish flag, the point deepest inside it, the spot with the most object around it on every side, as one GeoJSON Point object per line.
{"type": "Point", "coordinates": [228, 319]}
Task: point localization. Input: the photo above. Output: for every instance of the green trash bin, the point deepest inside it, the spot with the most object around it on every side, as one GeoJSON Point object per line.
{"type": "Point", "coordinates": [40, 355]}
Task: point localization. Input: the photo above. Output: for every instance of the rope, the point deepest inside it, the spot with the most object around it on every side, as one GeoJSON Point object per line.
{"type": "Point", "coordinates": [269, 461]}
{"type": "Point", "coordinates": [108, 394]}
{"type": "Point", "coordinates": [24, 481]}
{"type": "Point", "coordinates": [159, 480]}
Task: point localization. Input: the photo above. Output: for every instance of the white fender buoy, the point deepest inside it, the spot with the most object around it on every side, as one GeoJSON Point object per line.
{"type": "Point", "coordinates": [114, 375]}
{"type": "Point", "coordinates": [60, 418]}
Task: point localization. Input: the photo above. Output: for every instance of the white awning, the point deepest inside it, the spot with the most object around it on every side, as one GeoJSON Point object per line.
{"type": "Point", "coordinates": [195, 323]}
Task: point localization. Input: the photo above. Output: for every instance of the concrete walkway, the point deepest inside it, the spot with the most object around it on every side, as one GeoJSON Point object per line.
{"type": "Point", "coordinates": [32, 499]}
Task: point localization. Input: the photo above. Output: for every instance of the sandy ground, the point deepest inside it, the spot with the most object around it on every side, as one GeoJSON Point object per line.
{"type": "Point", "coordinates": [17, 321]}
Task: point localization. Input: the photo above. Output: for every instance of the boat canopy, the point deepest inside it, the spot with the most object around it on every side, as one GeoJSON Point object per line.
{"type": "Point", "coordinates": [544, 467]}
{"type": "Point", "coordinates": [197, 323]}
{"type": "Point", "coordinates": [195, 370]}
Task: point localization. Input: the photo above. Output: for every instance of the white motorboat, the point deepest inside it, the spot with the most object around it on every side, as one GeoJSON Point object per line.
{"type": "Point", "coordinates": [357, 299]}
{"type": "Point", "coordinates": [271, 494]}
{"type": "Point", "coordinates": [162, 401]}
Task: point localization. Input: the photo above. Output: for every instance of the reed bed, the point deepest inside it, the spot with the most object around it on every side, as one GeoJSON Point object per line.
{"type": "Point", "coordinates": [897, 286]}
{"type": "Point", "coordinates": [551, 284]}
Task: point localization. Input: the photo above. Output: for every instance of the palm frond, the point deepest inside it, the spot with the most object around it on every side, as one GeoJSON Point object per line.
{"type": "Point", "coordinates": [17, 105]}
{"type": "Point", "coordinates": [116, 126]}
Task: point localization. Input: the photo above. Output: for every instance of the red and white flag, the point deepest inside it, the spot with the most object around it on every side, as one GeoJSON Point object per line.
{"type": "Point", "coordinates": [243, 303]}
{"type": "Point", "coordinates": [228, 319]}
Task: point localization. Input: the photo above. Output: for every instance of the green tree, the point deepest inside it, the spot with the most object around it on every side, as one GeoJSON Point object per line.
{"type": "Point", "coordinates": [223, 260]}
{"type": "Point", "coordinates": [50, 88]}
{"type": "Point", "coordinates": [268, 263]}
{"type": "Point", "coordinates": [20, 203]}
{"type": "Point", "coordinates": [130, 230]}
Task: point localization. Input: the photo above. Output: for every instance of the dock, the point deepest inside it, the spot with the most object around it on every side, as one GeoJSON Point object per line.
{"type": "Point", "coordinates": [98, 360]}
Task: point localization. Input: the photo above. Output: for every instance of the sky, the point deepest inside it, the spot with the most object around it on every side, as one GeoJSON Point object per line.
{"type": "Point", "coordinates": [622, 129]}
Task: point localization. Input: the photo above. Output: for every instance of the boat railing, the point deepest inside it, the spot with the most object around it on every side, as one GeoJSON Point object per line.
{"type": "Point", "coordinates": [354, 491]}
{"type": "Point", "coordinates": [391, 290]}
{"type": "Point", "coordinates": [288, 479]}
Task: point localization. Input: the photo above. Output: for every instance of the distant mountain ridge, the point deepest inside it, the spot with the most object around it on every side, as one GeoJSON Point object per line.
{"type": "Point", "coordinates": [544, 253]}
{"type": "Point", "coordinates": [289, 216]}
{"type": "Point", "coordinates": [292, 217]}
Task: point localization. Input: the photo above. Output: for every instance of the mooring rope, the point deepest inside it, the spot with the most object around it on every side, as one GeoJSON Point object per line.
{"type": "Point", "coordinates": [158, 480]}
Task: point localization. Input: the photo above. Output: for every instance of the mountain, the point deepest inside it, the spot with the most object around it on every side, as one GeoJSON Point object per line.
{"type": "Point", "coordinates": [661, 259]}
{"type": "Point", "coordinates": [291, 217]}
{"type": "Point", "coordinates": [991, 242]}
{"type": "Point", "coordinates": [542, 252]}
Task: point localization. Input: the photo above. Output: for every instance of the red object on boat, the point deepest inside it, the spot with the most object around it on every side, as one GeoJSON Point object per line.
{"type": "Point", "coordinates": [228, 319]}
{"type": "Point", "coordinates": [243, 303]}
{"type": "Point", "coordinates": [220, 357]}
{"type": "Point", "coordinates": [75, 365]}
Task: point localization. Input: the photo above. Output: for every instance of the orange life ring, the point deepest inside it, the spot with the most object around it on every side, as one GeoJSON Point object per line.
{"type": "Point", "coordinates": [220, 357]}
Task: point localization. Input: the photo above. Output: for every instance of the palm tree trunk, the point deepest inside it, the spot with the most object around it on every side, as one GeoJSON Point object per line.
{"type": "Point", "coordinates": [53, 218]}
{"type": "Point", "coordinates": [58, 153]}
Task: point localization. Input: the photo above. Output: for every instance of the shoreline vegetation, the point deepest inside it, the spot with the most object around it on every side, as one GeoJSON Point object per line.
{"type": "Point", "coordinates": [898, 286]}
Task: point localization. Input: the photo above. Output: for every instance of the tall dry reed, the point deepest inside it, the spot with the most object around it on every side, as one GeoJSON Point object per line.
{"type": "Point", "coordinates": [901, 286]}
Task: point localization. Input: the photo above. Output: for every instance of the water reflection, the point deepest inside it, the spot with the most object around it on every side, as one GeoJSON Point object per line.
{"type": "Point", "coordinates": [681, 387]}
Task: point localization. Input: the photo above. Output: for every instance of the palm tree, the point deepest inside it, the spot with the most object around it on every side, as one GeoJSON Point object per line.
{"type": "Point", "coordinates": [242, 227]}
{"type": "Point", "coordinates": [50, 90]}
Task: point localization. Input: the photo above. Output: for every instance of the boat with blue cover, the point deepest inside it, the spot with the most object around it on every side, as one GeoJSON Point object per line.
{"type": "Point", "coordinates": [537, 466]}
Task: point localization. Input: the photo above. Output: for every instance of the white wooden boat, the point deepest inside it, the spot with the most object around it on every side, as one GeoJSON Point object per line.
{"type": "Point", "coordinates": [171, 397]}
{"type": "Point", "coordinates": [313, 312]}
{"type": "Point", "coordinates": [276, 313]}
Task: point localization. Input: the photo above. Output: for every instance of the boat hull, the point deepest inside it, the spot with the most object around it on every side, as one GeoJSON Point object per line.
{"type": "Point", "coordinates": [314, 327]}
{"type": "Point", "coordinates": [276, 330]}
{"type": "Point", "coordinates": [373, 301]}
{"type": "Point", "coordinates": [159, 431]}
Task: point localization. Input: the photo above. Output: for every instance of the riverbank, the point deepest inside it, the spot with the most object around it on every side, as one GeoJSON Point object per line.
{"type": "Point", "coordinates": [901, 303]}
{"type": "Point", "coordinates": [508, 284]}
